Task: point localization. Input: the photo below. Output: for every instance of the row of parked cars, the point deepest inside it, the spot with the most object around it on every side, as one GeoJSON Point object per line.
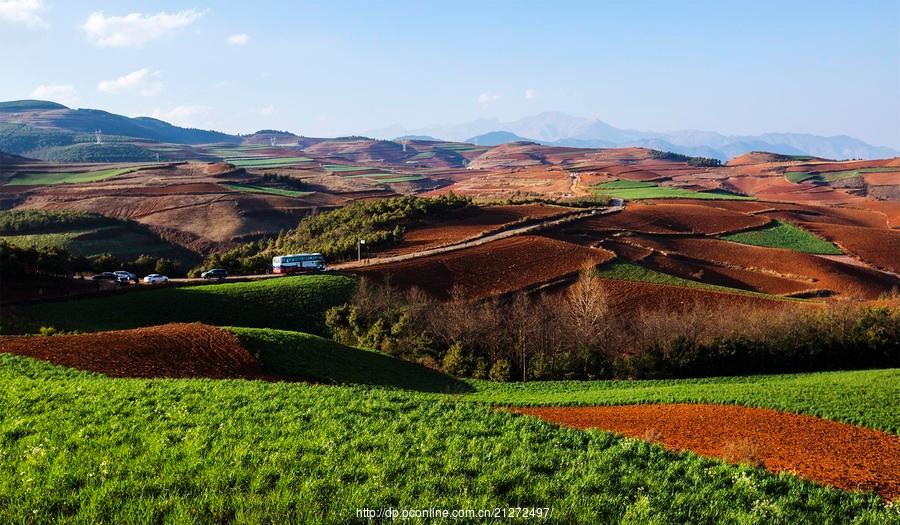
{"type": "Point", "coordinates": [123, 277]}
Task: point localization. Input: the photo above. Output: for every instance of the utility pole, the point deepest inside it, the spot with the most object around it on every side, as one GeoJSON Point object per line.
{"type": "Point", "coordinates": [359, 244]}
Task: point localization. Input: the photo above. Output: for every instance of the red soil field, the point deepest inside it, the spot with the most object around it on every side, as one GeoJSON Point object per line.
{"type": "Point", "coordinates": [843, 166]}
{"type": "Point", "coordinates": [490, 269]}
{"type": "Point", "coordinates": [629, 298]}
{"type": "Point", "coordinates": [708, 273]}
{"type": "Point", "coordinates": [466, 224]}
{"type": "Point", "coordinates": [172, 350]}
{"type": "Point", "coordinates": [820, 273]}
{"type": "Point", "coordinates": [877, 246]}
{"type": "Point", "coordinates": [889, 209]}
{"type": "Point", "coordinates": [667, 218]}
{"type": "Point", "coordinates": [827, 452]}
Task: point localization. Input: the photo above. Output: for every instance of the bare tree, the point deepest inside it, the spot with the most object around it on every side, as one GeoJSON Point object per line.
{"type": "Point", "coordinates": [587, 314]}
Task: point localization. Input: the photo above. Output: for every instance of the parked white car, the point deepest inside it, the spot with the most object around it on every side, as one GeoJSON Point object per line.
{"type": "Point", "coordinates": [155, 278]}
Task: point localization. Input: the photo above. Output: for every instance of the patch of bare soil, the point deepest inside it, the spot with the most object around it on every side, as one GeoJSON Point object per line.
{"type": "Point", "coordinates": [824, 451]}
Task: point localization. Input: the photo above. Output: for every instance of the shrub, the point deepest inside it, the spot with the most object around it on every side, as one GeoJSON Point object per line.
{"type": "Point", "coordinates": [501, 371]}
{"type": "Point", "coordinates": [455, 361]}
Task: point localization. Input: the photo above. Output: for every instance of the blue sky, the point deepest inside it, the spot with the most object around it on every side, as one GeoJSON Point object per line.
{"type": "Point", "coordinates": [326, 68]}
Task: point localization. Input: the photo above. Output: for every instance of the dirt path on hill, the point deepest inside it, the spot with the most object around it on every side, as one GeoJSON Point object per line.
{"type": "Point", "coordinates": [479, 240]}
{"type": "Point", "coordinates": [828, 452]}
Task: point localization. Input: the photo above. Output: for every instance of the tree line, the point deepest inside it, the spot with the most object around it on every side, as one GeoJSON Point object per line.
{"type": "Point", "coordinates": [574, 335]}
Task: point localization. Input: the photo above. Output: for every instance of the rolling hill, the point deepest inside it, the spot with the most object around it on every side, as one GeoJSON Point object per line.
{"type": "Point", "coordinates": [51, 131]}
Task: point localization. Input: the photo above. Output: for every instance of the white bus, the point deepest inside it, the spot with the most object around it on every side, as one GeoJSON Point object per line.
{"type": "Point", "coordinates": [298, 262]}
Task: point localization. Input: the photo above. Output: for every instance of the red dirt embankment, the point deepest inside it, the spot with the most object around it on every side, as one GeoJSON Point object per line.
{"type": "Point", "coordinates": [828, 452]}
{"type": "Point", "coordinates": [172, 350]}
{"type": "Point", "coordinates": [494, 268]}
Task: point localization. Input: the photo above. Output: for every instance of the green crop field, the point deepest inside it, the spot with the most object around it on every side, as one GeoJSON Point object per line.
{"type": "Point", "coordinates": [301, 355]}
{"type": "Point", "coordinates": [296, 303]}
{"type": "Point", "coordinates": [625, 271]}
{"type": "Point", "coordinates": [372, 175]}
{"type": "Point", "coordinates": [78, 447]}
{"type": "Point", "coordinates": [267, 162]}
{"type": "Point", "coordinates": [832, 176]}
{"type": "Point", "coordinates": [115, 240]}
{"type": "Point", "coordinates": [337, 168]}
{"type": "Point", "coordinates": [250, 188]}
{"type": "Point", "coordinates": [388, 177]}
{"type": "Point", "coordinates": [784, 235]}
{"type": "Point", "coordinates": [34, 179]}
{"type": "Point", "coordinates": [454, 146]}
{"type": "Point", "coordinates": [404, 178]}
{"type": "Point", "coordinates": [635, 190]}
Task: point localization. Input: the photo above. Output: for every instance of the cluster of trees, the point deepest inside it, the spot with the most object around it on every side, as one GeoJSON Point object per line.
{"type": "Point", "coordinates": [16, 222]}
{"type": "Point", "coordinates": [334, 233]}
{"type": "Point", "coordinates": [703, 162]}
{"type": "Point", "coordinates": [24, 264]}
{"type": "Point", "coordinates": [572, 335]}
{"type": "Point", "coordinates": [585, 201]}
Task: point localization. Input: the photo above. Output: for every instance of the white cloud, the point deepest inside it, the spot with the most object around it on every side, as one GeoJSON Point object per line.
{"type": "Point", "coordinates": [238, 39]}
{"type": "Point", "coordinates": [486, 98]}
{"type": "Point", "coordinates": [530, 94]}
{"type": "Point", "coordinates": [142, 81]}
{"type": "Point", "coordinates": [135, 29]}
{"type": "Point", "coordinates": [27, 12]}
{"type": "Point", "coordinates": [197, 116]}
{"type": "Point", "coordinates": [266, 110]}
{"type": "Point", "coordinates": [62, 93]}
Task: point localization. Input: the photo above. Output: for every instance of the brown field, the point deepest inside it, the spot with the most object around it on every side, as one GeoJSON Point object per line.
{"type": "Point", "coordinates": [490, 269]}
{"type": "Point", "coordinates": [674, 218]}
{"type": "Point", "coordinates": [466, 225]}
{"type": "Point", "coordinates": [877, 246]}
{"type": "Point", "coordinates": [821, 274]}
{"type": "Point", "coordinates": [172, 350]}
{"type": "Point", "coordinates": [827, 452]}
{"type": "Point", "coordinates": [629, 298]}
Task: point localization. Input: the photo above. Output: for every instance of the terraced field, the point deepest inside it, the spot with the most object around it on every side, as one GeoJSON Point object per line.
{"type": "Point", "coordinates": [49, 178]}
{"type": "Point", "coordinates": [636, 190]}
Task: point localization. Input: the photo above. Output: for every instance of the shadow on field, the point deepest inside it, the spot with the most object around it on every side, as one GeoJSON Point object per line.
{"type": "Point", "coordinates": [294, 355]}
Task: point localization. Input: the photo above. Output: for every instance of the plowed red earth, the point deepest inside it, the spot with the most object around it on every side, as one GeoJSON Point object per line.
{"type": "Point", "coordinates": [629, 298]}
{"type": "Point", "coordinates": [494, 268]}
{"type": "Point", "coordinates": [674, 218]}
{"type": "Point", "coordinates": [828, 452]}
{"type": "Point", "coordinates": [172, 350]}
{"type": "Point", "coordinates": [880, 247]}
{"type": "Point", "coordinates": [820, 273]}
{"type": "Point", "coordinates": [467, 224]}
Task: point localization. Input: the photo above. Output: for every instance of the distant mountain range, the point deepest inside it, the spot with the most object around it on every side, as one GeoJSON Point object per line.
{"type": "Point", "coordinates": [51, 131]}
{"type": "Point", "coordinates": [561, 129]}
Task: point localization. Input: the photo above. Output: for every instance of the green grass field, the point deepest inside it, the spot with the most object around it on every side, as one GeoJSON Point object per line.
{"type": "Point", "coordinates": [115, 240]}
{"type": "Point", "coordinates": [81, 448]}
{"type": "Point", "coordinates": [338, 168]}
{"type": "Point", "coordinates": [250, 188]}
{"type": "Point", "coordinates": [403, 178]}
{"type": "Point", "coordinates": [832, 176]}
{"type": "Point", "coordinates": [35, 179]}
{"type": "Point", "coordinates": [784, 235]}
{"type": "Point", "coordinates": [321, 360]}
{"type": "Point", "coordinates": [266, 162]}
{"type": "Point", "coordinates": [388, 177]}
{"type": "Point", "coordinates": [635, 190]}
{"type": "Point", "coordinates": [296, 303]}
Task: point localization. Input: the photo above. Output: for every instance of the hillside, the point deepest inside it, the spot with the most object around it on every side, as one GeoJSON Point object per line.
{"type": "Point", "coordinates": [30, 127]}
{"type": "Point", "coordinates": [495, 138]}
{"type": "Point", "coordinates": [296, 303]}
